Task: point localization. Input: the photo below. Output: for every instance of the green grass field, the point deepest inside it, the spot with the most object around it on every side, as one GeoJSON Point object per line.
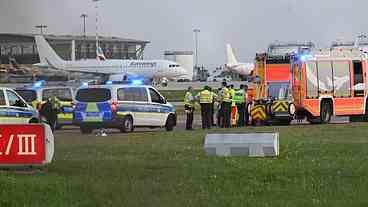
{"type": "Point", "coordinates": [319, 165]}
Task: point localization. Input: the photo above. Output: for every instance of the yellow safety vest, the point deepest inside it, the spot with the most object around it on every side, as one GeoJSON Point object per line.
{"type": "Point", "coordinates": [225, 95]}
{"type": "Point", "coordinates": [232, 93]}
{"type": "Point", "coordinates": [34, 104]}
{"type": "Point", "coordinates": [239, 96]}
{"type": "Point", "coordinates": [205, 96]}
{"type": "Point", "coordinates": [56, 104]}
{"type": "Point", "coordinates": [189, 100]}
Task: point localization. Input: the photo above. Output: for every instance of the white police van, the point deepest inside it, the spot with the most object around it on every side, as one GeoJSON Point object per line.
{"type": "Point", "coordinates": [122, 107]}
{"type": "Point", "coordinates": [14, 109]}
{"type": "Point", "coordinates": [38, 93]}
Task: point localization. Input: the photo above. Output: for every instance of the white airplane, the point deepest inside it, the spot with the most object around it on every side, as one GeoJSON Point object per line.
{"type": "Point", "coordinates": [114, 70]}
{"type": "Point", "coordinates": [233, 65]}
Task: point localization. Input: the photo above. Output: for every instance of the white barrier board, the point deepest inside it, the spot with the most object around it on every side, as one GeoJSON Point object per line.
{"type": "Point", "coordinates": [251, 144]}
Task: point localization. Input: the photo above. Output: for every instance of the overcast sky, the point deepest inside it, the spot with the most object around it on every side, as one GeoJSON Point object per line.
{"type": "Point", "coordinates": [249, 25]}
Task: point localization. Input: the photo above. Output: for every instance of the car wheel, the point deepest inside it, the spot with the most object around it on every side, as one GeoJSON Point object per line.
{"type": "Point", "coordinates": [170, 123]}
{"type": "Point", "coordinates": [86, 130]}
{"type": "Point", "coordinates": [127, 124]}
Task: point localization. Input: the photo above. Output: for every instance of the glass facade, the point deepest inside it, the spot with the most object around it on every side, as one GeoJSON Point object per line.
{"type": "Point", "coordinates": [23, 48]}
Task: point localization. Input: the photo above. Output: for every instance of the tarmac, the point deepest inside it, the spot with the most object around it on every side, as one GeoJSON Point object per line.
{"type": "Point", "coordinates": [196, 85]}
{"type": "Point", "coordinates": [181, 126]}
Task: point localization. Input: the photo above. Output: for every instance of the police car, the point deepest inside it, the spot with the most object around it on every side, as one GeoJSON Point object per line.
{"type": "Point", "coordinates": [122, 107]}
{"type": "Point", "coordinates": [14, 109]}
{"type": "Point", "coordinates": [39, 92]}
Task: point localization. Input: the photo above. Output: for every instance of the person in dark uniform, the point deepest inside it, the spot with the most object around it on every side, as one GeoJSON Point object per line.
{"type": "Point", "coordinates": [49, 110]}
{"type": "Point", "coordinates": [214, 95]}
{"type": "Point", "coordinates": [220, 113]}
{"type": "Point", "coordinates": [205, 99]}
{"type": "Point", "coordinates": [226, 105]}
{"type": "Point", "coordinates": [239, 98]}
{"type": "Point", "coordinates": [189, 106]}
{"type": "Point", "coordinates": [246, 101]}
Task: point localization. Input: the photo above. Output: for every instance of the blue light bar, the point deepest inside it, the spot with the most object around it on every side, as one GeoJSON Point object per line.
{"type": "Point", "coordinates": [38, 84]}
{"type": "Point", "coordinates": [304, 58]}
{"type": "Point", "coordinates": [109, 82]}
{"type": "Point", "coordinates": [137, 82]}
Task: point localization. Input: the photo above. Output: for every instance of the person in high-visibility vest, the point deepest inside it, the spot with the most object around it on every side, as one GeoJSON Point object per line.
{"type": "Point", "coordinates": [214, 97]}
{"type": "Point", "coordinates": [205, 99]}
{"type": "Point", "coordinates": [234, 111]}
{"type": "Point", "coordinates": [232, 90]}
{"type": "Point", "coordinates": [246, 102]}
{"type": "Point", "coordinates": [220, 113]}
{"type": "Point", "coordinates": [225, 106]}
{"type": "Point", "coordinates": [239, 98]}
{"type": "Point", "coordinates": [49, 110]}
{"type": "Point", "coordinates": [35, 104]}
{"type": "Point", "coordinates": [189, 106]}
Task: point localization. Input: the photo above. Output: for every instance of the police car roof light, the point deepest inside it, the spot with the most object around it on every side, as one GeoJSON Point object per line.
{"type": "Point", "coordinates": [305, 57]}
{"type": "Point", "coordinates": [137, 82]}
{"type": "Point", "coordinates": [39, 83]}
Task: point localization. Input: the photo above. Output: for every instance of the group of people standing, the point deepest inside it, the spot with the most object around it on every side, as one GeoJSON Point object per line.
{"type": "Point", "coordinates": [230, 104]}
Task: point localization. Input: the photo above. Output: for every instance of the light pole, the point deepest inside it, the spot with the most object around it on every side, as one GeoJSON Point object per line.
{"type": "Point", "coordinates": [359, 39]}
{"type": "Point", "coordinates": [196, 31]}
{"type": "Point", "coordinates": [41, 26]}
{"type": "Point", "coordinates": [96, 7]}
{"type": "Point", "coordinates": [84, 16]}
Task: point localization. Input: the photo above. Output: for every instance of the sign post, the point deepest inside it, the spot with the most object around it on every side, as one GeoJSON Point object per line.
{"type": "Point", "coordinates": [25, 145]}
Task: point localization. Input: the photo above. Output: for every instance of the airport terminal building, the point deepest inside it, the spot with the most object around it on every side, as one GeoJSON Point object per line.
{"type": "Point", "coordinates": [22, 47]}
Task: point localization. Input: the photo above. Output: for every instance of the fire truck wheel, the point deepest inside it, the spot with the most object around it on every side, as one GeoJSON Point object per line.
{"type": "Point", "coordinates": [326, 112]}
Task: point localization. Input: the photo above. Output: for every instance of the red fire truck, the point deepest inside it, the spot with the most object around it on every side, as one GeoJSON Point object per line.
{"type": "Point", "coordinates": [273, 83]}
{"type": "Point", "coordinates": [329, 82]}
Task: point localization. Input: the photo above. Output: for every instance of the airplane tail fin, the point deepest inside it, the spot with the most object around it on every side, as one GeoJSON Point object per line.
{"type": "Point", "coordinates": [230, 55]}
{"type": "Point", "coordinates": [46, 53]}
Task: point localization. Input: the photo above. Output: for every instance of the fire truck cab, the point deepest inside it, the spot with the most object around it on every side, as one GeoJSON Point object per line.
{"type": "Point", "coordinates": [330, 82]}
{"type": "Point", "coordinates": [272, 79]}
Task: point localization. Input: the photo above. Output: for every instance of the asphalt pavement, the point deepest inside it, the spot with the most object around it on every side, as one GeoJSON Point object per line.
{"type": "Point", "coordinates": [181, 126]}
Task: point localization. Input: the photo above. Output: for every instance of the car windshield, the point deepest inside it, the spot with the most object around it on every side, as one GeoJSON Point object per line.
{"type": "Point", "coordinates": [27, 95]}
{"type": "Point", "coordinates": [63, 94]}
{"type": "Point", "coordinates": [278, 91]}
{"type": "Point", "coordinates": [93, 95]}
